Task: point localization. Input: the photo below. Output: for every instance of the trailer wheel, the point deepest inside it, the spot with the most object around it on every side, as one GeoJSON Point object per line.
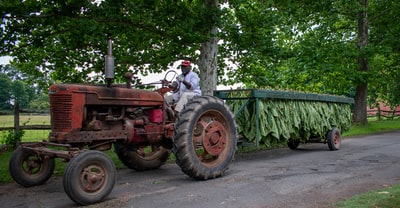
{"type": "Point", "coordinates": [293, 144]}
{"type": "Point", "coordinates": [205, 138]}
{"type": "Point", "coordinates": [89, 177]}
{"type": "Point", "coordinates": [334, 139]}
{"type": "Point", "coordinates": [141, 158]}
{"type": "Point", "coordinates": [28, 168]}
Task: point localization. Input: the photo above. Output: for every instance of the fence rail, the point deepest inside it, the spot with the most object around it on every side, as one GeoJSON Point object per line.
{"type": "Point", "coordinates": [389, 114]}
{"type": "Point", "coordinates": [27, 127]}
{"type": "Point", "coordinates": [17, 127]}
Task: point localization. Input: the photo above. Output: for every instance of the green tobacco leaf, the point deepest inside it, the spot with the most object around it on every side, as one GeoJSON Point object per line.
{"type": "Point", "coordinates": [281, 120]}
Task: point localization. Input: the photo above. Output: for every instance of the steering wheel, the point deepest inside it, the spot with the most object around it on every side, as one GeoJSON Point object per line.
{"type": "Point", "coordinates": [168, 78]}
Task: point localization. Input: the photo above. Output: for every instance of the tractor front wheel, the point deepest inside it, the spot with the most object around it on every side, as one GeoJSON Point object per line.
{"type": "Point", "coordinates": [205, 138]}
{"type": "Point", "coordinates": [28, 168]}
{"type": "Point", "coordinates": [89, 177]}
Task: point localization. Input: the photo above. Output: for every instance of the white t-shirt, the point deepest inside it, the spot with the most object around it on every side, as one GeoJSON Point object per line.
{"type": "Point", "coordinates": [194, 81]}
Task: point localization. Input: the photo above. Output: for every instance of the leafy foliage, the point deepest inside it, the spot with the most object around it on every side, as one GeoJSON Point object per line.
{"type": "Point", "coordinates": [384, 49]}
{"type": "Point", "coordinates": [14, 88]}
{"type": "Point", "coordinates": [5, 92]}
{"type": "Point", "coordinates": [11, 138]}
{"type": "Point", "coordinates": [284, 119]}
{"type": "Point", "coordinates": [66, 40]}
{"type": "Point", "coordinates": [301, 45]}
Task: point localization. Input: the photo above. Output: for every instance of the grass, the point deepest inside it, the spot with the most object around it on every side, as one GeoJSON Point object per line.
{"type": "Point", "coordinates": [387, 197]}
{"type": "Point", "coordinates": [4, 175]}
{"type": "Point", "coordinates": [8, 120]}
{"type": "Point", "coordinates": [29, 135]}
{"type": "Point", "coordinates": [373, 126]}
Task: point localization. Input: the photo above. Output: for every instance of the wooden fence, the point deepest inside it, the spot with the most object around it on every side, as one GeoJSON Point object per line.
{"type": "Point", "coordinates": [17, 127]}
{"type": "Point", "coordinates": [383, 114]}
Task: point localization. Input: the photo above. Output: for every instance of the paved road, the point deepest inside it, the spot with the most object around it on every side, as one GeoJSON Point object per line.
{"type": "Point", "coordinates": [312, 176]}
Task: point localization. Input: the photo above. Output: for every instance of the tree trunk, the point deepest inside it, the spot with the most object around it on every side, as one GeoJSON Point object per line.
{"type": "Point", "coordinates": [360, 105]}
{"type": "Point", "coordinates": [208, 63]}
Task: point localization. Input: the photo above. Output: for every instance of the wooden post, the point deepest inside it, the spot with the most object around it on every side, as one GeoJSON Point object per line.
{"type": "Point", "coordinates": [379, 113]}
{"type": "Point", "coordinates": [17, 128]}
{"type": "Point", "coordinates": [392, 117]}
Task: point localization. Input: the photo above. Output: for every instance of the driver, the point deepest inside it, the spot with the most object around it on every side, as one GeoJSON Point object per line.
{"type": "Point", "coordinates": [188, 87]}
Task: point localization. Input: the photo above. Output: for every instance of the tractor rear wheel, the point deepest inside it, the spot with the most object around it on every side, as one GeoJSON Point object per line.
{"type": "Point", "coordinates": [205, 138]}
{"type": "Point", "coordinates": [28, 168]}
{"type": "Point", "coordinates": [89, 177]}
{"type": "Point", "coordinates": [141, 158]}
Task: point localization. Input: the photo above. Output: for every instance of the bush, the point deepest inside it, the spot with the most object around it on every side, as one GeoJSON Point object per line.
{"type": "Point", "coordinates": [11, 138]}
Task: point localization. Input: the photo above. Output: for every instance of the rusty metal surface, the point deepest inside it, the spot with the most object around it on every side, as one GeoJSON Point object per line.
{"type": "Point", "coordinates": [43, 149]}
{"type": "Point", "coordinates": [87, 136]}
{"type": "Point", "coordinates": [100, 94]}
{"type": "Point", "coordinates": [68, 102]}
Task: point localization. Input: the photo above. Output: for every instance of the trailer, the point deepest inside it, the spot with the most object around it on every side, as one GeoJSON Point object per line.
{"type": "Point", "coordinates": [267, 117]}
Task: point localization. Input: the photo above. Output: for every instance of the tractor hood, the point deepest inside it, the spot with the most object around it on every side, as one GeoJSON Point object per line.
{"type": "Point", "coordinates": [102, 95]}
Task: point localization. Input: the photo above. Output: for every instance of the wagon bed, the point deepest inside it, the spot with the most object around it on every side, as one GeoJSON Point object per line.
{"type": "Point", "coordinates": [250, 100]}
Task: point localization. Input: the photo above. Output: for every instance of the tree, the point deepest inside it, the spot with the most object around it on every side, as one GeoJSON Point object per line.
{"type": "Point", "coordinates": [318, 46]}
{"type": "Point", "coordinates": [208, 60]}
{"type": "Point", "coordinates": [303, 45]}
{"type": "Point", "coordinates": [66, 41]}
{"type": "Point", "coordinates": [314, 47]}
{"type": "Point", "coordinates": [40, 102]}
{"type": "Point", "coordinates": [360, 106]}
{"type": "Point", "coordinates": [248, 43]}
{"type": "Point", "coordinates": [5, 92]}
{"type": "Point", "coordinates": [15, 87]}
{"type": "Point", "coordinates": [384, 63]}
{"type": "Point", "coordinates": [20, 94]}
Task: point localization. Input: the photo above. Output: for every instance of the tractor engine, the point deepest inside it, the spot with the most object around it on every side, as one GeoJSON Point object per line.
{"type": "Point", "coordinates": [99, 115]}
{"type": "Point", "coordinates": [96, 114]}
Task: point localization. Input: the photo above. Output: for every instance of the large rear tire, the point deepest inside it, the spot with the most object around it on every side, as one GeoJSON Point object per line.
{"type": "Point", "coordinates": [28, 168]}
{"type": "Point", "coordinates": [89, 177]}
{"type": "Point", "coordinates": [141, 158]}
{"type": "Point", "coordinates": [205, 138]}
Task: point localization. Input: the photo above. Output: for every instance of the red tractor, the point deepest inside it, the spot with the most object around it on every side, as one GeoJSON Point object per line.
{"type": "Point", "coordinates": [88, 119]}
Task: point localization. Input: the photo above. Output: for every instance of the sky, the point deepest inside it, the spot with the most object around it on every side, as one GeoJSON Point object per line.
{"type": "Point", "coordinates": [4, 59]}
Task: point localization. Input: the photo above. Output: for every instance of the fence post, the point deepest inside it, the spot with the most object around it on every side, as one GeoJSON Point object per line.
{"type": "Point", "coordinates": [379, 113]}
{"type": "Point", "coordinates": [16, 124]}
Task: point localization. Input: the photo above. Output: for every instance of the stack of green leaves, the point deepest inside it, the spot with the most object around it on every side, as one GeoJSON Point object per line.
{"type": "Point", "coordinates": [284, 119]}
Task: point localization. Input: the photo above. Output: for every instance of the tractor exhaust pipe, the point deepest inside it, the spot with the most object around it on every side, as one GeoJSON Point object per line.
{"type": "Point", "coordinates": [109, 67]}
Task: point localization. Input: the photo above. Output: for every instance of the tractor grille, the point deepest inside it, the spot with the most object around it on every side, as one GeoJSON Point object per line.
{"type": "Point", "coordinates": [61, 112]}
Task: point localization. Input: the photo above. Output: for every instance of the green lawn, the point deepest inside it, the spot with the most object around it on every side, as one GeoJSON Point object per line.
{"type": "Point", "coordinates": [373, 127]}
{"type": "Point", "coordinates": [8, 120]}
{"type": "Point", "coordinates": [29, 135]}
{"type": "Point", "coordinates": [383, 198]}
